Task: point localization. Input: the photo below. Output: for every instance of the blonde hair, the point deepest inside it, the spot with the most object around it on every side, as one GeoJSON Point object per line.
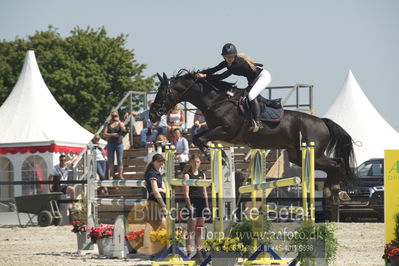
{"type": "Point", "coordinates": [176, 107]}
{"type": "Point", "coordinates": [249, 61]}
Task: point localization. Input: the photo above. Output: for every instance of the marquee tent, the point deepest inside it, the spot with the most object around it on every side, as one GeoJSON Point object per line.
{"type": "Point", "coordinates": [355, 113]}
{"type": "Point", "coordinates": [34, 130]}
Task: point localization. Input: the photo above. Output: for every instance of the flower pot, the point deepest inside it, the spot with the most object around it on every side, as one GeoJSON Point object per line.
{"type": "Point", "coordinates": [105, 246]}
{"type": "Point", "coordinates": [394, 262]}
{"type": "Point", "coordinates": [129, 248]}
{"type": "Point", "coordinates": [82, 240]}
{"type": "Point", "coordinates": [223, 258]}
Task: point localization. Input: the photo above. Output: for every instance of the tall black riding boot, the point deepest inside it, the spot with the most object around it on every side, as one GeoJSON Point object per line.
{"type": "Point", "coordinates": [255, 110]}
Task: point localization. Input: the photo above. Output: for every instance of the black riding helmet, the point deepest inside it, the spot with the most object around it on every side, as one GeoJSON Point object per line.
{"type": "Point", "coordinates": [229, 49]}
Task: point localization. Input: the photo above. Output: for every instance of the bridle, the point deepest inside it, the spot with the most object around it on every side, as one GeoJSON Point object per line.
{"type": "Point", "coordinates": [170, 91]}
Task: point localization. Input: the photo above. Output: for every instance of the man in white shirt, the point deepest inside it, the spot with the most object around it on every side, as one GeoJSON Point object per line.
{"type": "Point", "coordinates": [61, 170]}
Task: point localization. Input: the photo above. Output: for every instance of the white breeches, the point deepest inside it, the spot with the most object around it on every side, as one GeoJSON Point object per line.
{"type": "Point", "coordinates": [262, 82]}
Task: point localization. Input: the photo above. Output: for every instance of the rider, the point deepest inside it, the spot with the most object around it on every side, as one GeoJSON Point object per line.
{"type": "Point", "coordinates": [241, 65]}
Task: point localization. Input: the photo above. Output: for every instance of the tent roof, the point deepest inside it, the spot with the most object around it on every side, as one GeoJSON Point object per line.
{"type": "Point", "coordinates": [32, 117]}
{"type": "Point", "coordinates": [353, 111]}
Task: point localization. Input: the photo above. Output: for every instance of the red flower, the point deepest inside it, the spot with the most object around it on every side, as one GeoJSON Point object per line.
{"type": "Point", "coordinates": [78, 226]}
{"type": "Point", "coordinates": [391, 250]}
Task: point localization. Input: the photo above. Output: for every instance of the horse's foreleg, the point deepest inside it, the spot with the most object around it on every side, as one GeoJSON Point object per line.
{"type": "Point", "coordinates": [217, 133]}
{"type": "Point", "coordinates": [199, 142]}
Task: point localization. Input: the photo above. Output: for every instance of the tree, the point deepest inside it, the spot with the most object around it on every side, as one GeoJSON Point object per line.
{"type": "Point", "coordinates": [88, 72]}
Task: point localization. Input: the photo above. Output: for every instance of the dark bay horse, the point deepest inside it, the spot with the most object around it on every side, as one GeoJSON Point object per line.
{"type": "Point", "coordinates": [333, 152]}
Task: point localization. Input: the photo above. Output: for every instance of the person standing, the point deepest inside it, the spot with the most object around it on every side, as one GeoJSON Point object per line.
{"type": "Point", "coordinates": [113, 131]}
{"type": "Point", "coordinates": [100, 158]}
{"type": "Point", "coordinates": [197, 202]}
{"type": "Point", "coordinates": [154, 184]}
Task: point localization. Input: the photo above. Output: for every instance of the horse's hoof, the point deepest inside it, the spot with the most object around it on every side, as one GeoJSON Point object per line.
{"type": "Point", "coordinates": [342, 195]}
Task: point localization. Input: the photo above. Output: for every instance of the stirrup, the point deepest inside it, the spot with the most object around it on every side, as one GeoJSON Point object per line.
{"type": "Point", "coordinates": [254, 126]}
{"type": "Point", "coordinates": [230, 93]}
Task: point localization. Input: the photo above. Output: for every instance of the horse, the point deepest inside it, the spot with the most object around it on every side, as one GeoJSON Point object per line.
{"type": "Point", "coordinates": [334, 146]}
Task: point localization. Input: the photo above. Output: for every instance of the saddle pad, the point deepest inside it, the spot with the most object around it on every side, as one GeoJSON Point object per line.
{"type": "Point", "coordinates": [267, 113]}
{"type": "Point", "coordinates": [271, 114]}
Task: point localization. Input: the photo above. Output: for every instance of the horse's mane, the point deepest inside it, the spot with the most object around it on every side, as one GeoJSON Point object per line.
{"type": "Point", "coordinates": [190, 75]}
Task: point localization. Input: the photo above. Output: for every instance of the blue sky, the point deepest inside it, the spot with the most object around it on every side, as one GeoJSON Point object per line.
{"type": "Point", "coordinates": [307, 41]}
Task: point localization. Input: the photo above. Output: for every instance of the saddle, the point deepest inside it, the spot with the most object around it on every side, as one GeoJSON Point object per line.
{"type": "Point", "coordinates": [271, 110]}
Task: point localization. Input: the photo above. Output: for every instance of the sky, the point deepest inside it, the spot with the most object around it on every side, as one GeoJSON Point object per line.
{"type": "Point", "coordinates": [309, 41]}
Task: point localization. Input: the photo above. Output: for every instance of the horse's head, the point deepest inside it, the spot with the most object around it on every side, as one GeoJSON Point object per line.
{"type": "Point", "coordinates": [170, 92]}
{"type": "Point", "coordinates": [161, 104]}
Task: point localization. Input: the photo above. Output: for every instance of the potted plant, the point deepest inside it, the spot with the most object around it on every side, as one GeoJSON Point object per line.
{"type": "Point", "coordinates": [225, 251]}
{"type": "Point", "coordinates": [79, 228]}
{"type": "Point", "coordinates": [103, 237]}
{"type": "Point", "coordinates": [391, 250]}
{"type": "Point", "coordinates": [244, 231]}
{"type": "Point", "coordinates": [135, 239]}
{"type": "Point", "coordinates": [161, 235]}
{"type": "Point", "coordinates": [315, 242]}
{"type": "Point", "coordinates": [79, 222]}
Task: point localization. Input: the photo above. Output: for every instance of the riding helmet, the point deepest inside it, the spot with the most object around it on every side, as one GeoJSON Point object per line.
{"type": "Point", "coordinates": [229, 49]}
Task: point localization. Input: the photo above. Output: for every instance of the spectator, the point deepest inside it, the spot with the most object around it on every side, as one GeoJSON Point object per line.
{"type": "Point", "coordinates": [163, 125]}
{"type": "Point", "coordinates": [150, 131]}
{"type": "Point", "coordinates": [100, 158]}
{"type": "Point", "coordinates": [197, 202]}
{"type": "Point", "coordinates": [61, 170]}
{"type": "Point", "coordinates": [113, 131]}
{"type": "Point", "coordinates": [161, 139]}
{"type": "Point", "coordinates": [175, 119]}
{"type": "Point", "coordinates": [199, 123]}
{"type": "Point", "coordinates": [153, 178]}
{"type": "Point", "coordinates": [182, 150]}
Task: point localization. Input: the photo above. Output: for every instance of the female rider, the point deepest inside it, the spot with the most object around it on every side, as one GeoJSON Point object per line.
{"type": "Point", "coordinates": [241, 65]}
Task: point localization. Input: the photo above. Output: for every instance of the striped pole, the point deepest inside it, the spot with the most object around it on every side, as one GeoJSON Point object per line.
{"type": "Point", "coordinates": [191, 182]}
{"type": "Point", "coordinates": [120, 183]}
{"type": "Point", "coordinates": [291, 181]}
{"type": "Point", "coordinates": [119, 202]}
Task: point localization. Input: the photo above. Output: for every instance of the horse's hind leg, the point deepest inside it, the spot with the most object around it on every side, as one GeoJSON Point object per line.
{"type": "Point", "coordinates": [333, 169]}
{"type": "Point", "coordinates": [332, 193]}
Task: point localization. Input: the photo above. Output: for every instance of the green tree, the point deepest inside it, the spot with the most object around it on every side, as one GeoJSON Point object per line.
{"type": "Point", "coordinates": [88, 72]}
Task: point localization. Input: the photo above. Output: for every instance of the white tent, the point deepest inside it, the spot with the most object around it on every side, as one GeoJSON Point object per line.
{"type": "Point", "coordinates": [34, 130]}
{"type": "Point", "coordinates": [353, 111]}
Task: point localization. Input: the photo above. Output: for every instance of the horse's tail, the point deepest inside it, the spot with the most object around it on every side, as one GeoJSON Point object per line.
{"type": "Point", "coordinates": [341, 146]}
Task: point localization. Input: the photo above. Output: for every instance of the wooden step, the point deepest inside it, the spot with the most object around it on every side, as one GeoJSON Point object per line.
{"type": "Point", "coordinates": [133, 161]}
{"type": "Point", "coordinates": [135, 152]}
{"type": "Point", "coordinates": [134, 176]}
